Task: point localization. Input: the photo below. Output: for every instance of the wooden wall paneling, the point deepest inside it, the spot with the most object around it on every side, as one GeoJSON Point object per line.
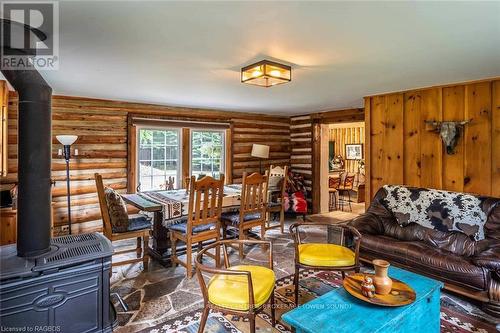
{"type": "Point", "coordinates": [474, 168]}
{"type": "Point", "coordinates": [453, 165]}
{"type": "Point", "coordinates": [348, 134]}
{"type": "Point", "coordinates": [478, 138]}
{"type": "Point", "coordinates": [431, 146]}
{"type": "Point", "coordinates": [495, 137]}
{"type": "Point", "coordinates": [411, 139]}
{"type": "Point", "coordinates": [377, 139]}
{"type": "Point", "coordinates": [393, 132]}
{"type": "Point", "coordinates": [4, 137]}
{"type": "Point", "coordinates": [368, 145]}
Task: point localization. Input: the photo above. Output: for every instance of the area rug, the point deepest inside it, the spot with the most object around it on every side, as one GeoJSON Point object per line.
{"type": "Point", "coordinates": [312, 285]}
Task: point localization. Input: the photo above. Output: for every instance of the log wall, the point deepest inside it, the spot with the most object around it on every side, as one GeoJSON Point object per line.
{"type": "Point", "coordinates": [404, 150]}
{"type": "Point", "coordinates": [102, 129]}
{"type": "Point", "coordinates": [301, 149]}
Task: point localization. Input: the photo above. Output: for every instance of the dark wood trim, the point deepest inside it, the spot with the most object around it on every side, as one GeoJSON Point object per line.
{"type": "Point", "coordinates": [316, 153]}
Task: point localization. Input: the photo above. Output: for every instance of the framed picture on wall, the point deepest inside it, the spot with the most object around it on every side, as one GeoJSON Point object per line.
{"type": "Point", "coordinates": [354, 151]}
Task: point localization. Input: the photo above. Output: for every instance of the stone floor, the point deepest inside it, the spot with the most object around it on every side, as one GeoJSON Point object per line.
{"type": "Point", "coordinates": [161, 294]}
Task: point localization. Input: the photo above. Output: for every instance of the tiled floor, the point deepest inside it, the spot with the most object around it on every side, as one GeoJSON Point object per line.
{"type": "Point", "coordinates": [161, 294]}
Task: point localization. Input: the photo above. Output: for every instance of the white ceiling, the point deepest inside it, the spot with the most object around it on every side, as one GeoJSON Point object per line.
{"type": "Point", "coordinates": [190, 53]}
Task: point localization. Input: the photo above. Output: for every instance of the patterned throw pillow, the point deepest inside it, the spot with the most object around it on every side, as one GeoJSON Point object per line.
{"type": "Point", "coordinates": [436, 209]}
{"type": "Point", "coordinates": [117, 210]}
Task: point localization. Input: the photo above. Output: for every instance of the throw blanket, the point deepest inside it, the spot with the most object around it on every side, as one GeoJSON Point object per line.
{"type": "Point", "coordinates": [436, 209]}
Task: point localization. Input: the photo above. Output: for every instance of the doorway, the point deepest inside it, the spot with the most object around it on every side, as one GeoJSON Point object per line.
{"type": "Point", "coordinates": [342, 154]}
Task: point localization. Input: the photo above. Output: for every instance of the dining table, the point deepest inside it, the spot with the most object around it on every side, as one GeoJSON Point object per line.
{"type": "Point", "coordinates": [171, 205]}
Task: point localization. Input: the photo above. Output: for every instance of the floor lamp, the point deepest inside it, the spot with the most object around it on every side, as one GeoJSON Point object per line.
{"type": "Point", "coordinates": [67, 141]}
{"type": "Point", "coordinates": [261, 152]}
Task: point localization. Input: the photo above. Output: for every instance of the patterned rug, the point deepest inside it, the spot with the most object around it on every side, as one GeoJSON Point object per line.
{"type": "Point", "coordinates": [312, 285]}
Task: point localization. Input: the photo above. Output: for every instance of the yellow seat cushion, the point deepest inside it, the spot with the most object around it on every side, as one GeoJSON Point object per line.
{"type": "Point", "coordinates": [231, 291]}
{"type": "Point", "coordinates": [326, 255]}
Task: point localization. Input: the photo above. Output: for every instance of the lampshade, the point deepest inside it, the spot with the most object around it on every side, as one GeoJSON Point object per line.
{"type": "Point", "coordinates": [261, 151]}
{"type": "Point", "coordinates": [66, 140]}
{"type": "Point", "coordinates": [266, 73]}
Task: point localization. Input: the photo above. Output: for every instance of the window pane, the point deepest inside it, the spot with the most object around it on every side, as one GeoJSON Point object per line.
{"type": "Point", "coordinates": [207, 152]}
{"type": "Point", "coordinates": [158, 154]}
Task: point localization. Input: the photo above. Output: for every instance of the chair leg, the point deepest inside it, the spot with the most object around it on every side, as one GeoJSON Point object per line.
{"type": "Point", "coordinates": [282, 220]}
{"type": "Point", "coordinates": [349, 198]}
{"type": "Point", "coordinates": [173, 256]}
{"type": "Point", "coordinates": [252, 322]}
{"type": "Point", "coordinates": [217, 254]}
{"type": "Point", "coordinates": [138, 249]}
{"type": "Point", "coordinates": [203, 319]}
{"type": "Point", "coordinates": [343, 275]}
{"type": "Point", "coordinates": [263, 230]}
{"type": "Point", "coordinates": [241, 236]}
{"type": "Point", "coordinates": [145, 254]}
{"type": "Point", "coordinates": [273, 310]}
{"type": "Point", "coordinates": [224, 231]}
{"type": "Point", "coordinates": [189, 249]}
{"type": "Point", "coordinates": [296, 284]}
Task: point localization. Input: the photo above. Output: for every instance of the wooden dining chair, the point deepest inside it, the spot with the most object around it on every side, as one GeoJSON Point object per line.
{"type": "Point", "coordinates": [333, 187]}
{"type": "Point", "coordinates": [138, 228]}
{"type": "Point", "coordinates": [278, 177]}
{"type": "Point", "coordinates": [202, 222]}
{"type": "Point", "coordinates": [242, 290]}
{"type": "Point", "coordinates": [325, 256]}
{"type": "Point", "coordinates": [345, 192]}
{"type": "Point", "coordinates": [253, 206]}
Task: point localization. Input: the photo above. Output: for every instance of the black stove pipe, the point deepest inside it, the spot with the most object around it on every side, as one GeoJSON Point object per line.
{"type": "Point", "coordinates": [34, 157]}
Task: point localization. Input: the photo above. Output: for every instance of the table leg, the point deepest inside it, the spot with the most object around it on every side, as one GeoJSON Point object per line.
{"type": "Point", "coordinates": [161, 240]}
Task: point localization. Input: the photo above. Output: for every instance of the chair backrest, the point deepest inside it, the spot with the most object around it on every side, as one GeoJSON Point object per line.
{"type": "Point", "coordinates": [106, 219]}
{"type": "Point", "coordinates": [186, 182]}
{"type": "Point", "coordinates": [205, 201]}
{"type": "Point", "coordinates": [281, 172]}
{"type": "Point", "coordinates": [334, 182]}
{"type": "Point", "coordinates": [349, 181]}
{"type": "Point", "coordinates": [254, 194]}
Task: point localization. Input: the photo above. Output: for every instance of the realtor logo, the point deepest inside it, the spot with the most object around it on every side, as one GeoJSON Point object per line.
{"type": "Point", "coordinates": [38, 49]}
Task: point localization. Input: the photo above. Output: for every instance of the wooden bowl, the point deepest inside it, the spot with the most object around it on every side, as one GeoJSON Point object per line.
{"type": "Point", "coordinates": [400, 295]}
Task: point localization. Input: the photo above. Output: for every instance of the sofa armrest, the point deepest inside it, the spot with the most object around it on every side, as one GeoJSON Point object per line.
{"type": "Point", "coordinates": [489, 258]}
{"type": "Point", "coordinates": [368, 223]}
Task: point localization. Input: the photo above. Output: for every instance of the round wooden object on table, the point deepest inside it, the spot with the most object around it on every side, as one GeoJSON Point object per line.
{"type": "Point", "coordinates": [401, 293]}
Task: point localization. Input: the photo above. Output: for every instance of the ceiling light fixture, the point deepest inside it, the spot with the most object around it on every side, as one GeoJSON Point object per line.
{"type": "Point", "coordinates": [266, 73]}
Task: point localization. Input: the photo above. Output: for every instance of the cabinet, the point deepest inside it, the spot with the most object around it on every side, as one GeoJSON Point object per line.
{"type": "Point", "coordinates": [8, 226]}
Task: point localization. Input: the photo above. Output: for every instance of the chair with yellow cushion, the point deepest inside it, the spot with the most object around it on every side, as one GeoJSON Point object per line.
{"type": "Point", "coordinates": [242, 290]}
{"type": "Point", "coordinates": [325, 256]}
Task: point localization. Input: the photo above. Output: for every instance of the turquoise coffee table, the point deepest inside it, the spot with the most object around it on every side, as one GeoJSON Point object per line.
{"type": "Point", "coordinates": [338, 311]}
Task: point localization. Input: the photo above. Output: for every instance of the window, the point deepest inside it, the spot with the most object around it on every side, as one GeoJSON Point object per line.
{"type": "Point", "coordinates": [158, 158]}
{"type": "Point", "coordinates": [207, 153]}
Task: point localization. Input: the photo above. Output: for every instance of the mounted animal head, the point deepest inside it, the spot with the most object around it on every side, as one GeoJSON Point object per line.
{"type": "Point", "coordinates": [449, 131]}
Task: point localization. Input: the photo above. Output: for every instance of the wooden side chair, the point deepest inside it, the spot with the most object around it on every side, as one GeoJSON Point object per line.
{"type": "Point", "coordinates": [325, 256]}
{"type": "Point", "coordinates": [137, 227]}
{"type": "Point", "coordinates": [345, 192]}
{"type": "Point", "coordinates": [277, 177]}
{"type": "Point", "coordinates": [243, 290]}
{"type": "Point", "coordinates": [202, 222]}
{"type": "Point", "coordinates": [252, 212]}
{"type": "Point", "coordinates": [333, 187]}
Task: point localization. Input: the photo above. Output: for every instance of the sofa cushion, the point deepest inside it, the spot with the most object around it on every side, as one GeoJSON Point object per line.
{"type": "Point", "coordinates": [425, 259]}
{"type": "Point", "coordinates": [435, 209]}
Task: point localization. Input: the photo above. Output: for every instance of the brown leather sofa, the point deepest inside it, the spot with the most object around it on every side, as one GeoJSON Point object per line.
{"type": "Point", "coordinates": [448, 236]}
